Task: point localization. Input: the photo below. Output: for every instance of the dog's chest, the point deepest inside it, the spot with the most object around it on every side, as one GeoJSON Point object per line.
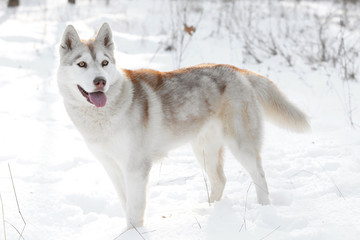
{"type": "Point", "coordinates": [94, 125]}
{"type": "Point", "coordinates": [116, 146]}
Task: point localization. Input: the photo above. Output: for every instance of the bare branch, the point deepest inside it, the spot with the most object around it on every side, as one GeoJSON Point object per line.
{"type": "Point", "coordinates": [3, 216]}
{"type": "Point", "coordinates": [269, 233]}
{"type": "Point", "coordinates": [17, 202]}
{"type": "Point", "coordinates": [138, 232]}
{"type": "Point", "coordinates": [245, 207]}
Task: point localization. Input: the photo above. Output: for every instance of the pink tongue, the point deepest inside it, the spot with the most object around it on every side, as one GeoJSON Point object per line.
{"type": "Point", "coordinates": [98, 99]}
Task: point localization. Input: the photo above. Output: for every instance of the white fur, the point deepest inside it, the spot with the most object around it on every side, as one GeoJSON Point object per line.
{"type": "Point", "coordinates": [209, 106]}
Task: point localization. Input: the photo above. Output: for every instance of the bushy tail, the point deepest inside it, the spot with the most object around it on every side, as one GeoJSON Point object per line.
{"type": "Point", "coordinates": [276, 106]}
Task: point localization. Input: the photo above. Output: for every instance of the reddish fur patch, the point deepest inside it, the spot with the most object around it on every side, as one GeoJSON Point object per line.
{"type": "Point", "coordinates": [190, 69]}
{"type": "Point", "coordinates": [151, 77]}
{"type": "Point", "coordinates": [247, 72]}
{"type": "Point", "coordinates": [106, 41]}
{"type": "Point", "coordinates": [90, 44]}
{"type": "Point", "coordinates": [68, 43]}
{"type": "Point", "coordinates": [136, 78]}
{"type": "Point", "coordinates": [146, 113]}
{"type": "Point", "coordinates": [156, 78]}
{"type": "Point", "coordinates": [222, 89]}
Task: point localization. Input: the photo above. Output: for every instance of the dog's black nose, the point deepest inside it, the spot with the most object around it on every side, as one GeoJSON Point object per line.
{"type": "Point", "coordinates": [99, 83]}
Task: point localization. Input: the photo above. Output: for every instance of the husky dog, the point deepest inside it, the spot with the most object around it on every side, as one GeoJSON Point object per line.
{"type": "Point", "coordinates": [131, 118]}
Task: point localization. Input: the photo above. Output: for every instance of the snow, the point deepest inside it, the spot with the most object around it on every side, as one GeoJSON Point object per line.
{"type": "Point", "coordinates": [63, 192]}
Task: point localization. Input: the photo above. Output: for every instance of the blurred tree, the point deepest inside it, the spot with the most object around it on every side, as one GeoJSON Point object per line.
{"type": "Point", "coordinates": [13, 3]}
{"type": "Point", "coordinates": [71, 1]}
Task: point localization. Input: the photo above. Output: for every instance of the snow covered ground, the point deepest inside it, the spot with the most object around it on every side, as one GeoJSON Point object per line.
{"type": "Point", "coordinates": [63, 192]}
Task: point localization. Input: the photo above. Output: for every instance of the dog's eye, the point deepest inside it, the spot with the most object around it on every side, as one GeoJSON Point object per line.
{"type": "Point", "coordinates": [104, 63]}
{"type": "Point", "coordinates": [82, 64]}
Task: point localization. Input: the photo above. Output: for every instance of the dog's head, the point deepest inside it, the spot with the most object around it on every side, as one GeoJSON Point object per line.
{"type": "Point", "coordinates": [87, 67]}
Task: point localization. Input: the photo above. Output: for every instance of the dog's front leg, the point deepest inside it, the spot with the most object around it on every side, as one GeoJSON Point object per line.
{"type": "Point", "coordinates": [136, 178]}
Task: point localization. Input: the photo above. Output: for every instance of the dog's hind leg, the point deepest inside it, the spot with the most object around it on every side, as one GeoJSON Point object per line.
{"type": "Point", "coordinates": [251, 161]}
{"type": "Point", "coordinates": [245, 142]}
{"type": "Point", "coordinates": [209, 152]}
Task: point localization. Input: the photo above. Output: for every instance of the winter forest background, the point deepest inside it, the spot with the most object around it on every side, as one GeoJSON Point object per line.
{"type": "Point", "coordinates": [51, 187]}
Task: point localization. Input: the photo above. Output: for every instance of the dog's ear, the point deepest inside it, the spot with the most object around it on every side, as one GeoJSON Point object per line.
{"type": "Point", "coordinates": [104, 36]}
{"type": "Point", "coordinates": [70, 39]}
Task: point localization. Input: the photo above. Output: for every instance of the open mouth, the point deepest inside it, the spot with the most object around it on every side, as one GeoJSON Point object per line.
{"type": "Point", "coordinates": [96, 98]}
